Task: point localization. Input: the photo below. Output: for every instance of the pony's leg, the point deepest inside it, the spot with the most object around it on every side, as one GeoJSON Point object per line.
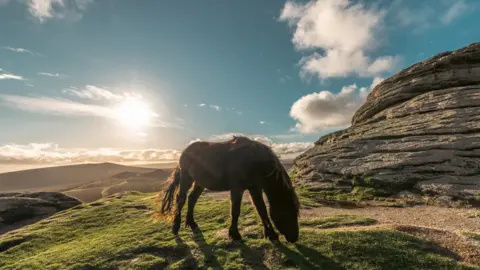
{"type": "Point", "coordinates": [185, 184]}
{"type": "Point", "coordinates": [192, 200]}
{"type": "Point", "coordinates": [236, 202]}
{"type": "Point", "coordinates": [256, 195]}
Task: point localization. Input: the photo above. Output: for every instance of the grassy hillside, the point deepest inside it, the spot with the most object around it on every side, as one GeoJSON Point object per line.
{"type": "Point", "coordinates": [117, 233]}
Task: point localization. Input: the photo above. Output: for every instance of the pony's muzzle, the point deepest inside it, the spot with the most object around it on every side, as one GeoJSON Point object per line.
{"type": "Point", "coordinates": [292, 239]}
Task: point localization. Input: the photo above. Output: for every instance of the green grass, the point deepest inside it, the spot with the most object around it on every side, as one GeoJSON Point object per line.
{"type": "Point", "coordinates": [336, 221]}
{"type": "Point", "coordinates": [117, 233]}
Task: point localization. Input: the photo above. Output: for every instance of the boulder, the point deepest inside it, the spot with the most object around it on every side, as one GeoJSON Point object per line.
{"type": "Point", "coordinates": [418, 130]}
{"type": "Point", "coordinates": [19, 209]}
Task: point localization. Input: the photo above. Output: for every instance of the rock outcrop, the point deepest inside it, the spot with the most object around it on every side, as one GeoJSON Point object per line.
{"type": "Point", "coordinates": [19, 209]}
{"type": "Point", "coordinates": [418, 130]}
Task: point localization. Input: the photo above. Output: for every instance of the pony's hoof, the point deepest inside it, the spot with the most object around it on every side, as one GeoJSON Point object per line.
{"type": "Point", "coordinates": [272, 236]}
{"type": "Point", "coordinates": [193, 226]}
{"type": "Point", "coordinates": [196, 230]}
{"type": "Point", "coordinates": [235, 236]}
{"type": "Point", "coordinates": [175, 230]}
{"type": "Point", "coordinates": [275, 242]}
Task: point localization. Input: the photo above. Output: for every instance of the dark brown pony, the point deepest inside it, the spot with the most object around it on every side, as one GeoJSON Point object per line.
{"type": "Point", "coordinates": [236, 165]}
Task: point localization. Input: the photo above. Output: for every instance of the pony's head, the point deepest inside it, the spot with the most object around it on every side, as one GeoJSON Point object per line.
{"type": "Point", "coordinates": [284, 209]}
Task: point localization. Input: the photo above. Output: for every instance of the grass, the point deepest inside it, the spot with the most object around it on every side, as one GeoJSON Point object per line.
{"type": "Point", "coordinates": [336, 221]}
{"type": "Point", "coordinates": [117, 233]}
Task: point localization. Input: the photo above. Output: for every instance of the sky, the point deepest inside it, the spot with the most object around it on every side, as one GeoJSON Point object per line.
{"type": "Point", "coordinates": [130, 81]}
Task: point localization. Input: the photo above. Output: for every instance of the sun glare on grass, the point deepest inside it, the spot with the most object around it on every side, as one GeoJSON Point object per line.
{"type": "Point", "coordinates": [134, 113]}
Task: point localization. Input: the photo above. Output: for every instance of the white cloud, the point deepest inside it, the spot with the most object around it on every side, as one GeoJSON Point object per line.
{"type": "Point", "coordinates": [381, 64]}
{"type": "Point", "coordinates": [82, 4]}
{"type": "Point", "coordinates": [59, 9]}
{"type": "Point", "coordinates": [211, 106]}
{"type": "Point", "coordinates": [454, 11]}
{"type": "Point", "coordinates": [56, 106]}
{"type": "Point", "coordinates": [224, 136]}
{"type": "Point", "coordinates": [325, 110]}
{"type": "Point", "coordinates": [365, 91]}
{"type": "Point", "coordinates": [51, 153]}
{"type": "Point", "coordinates": [262, 122]}
{"type": "Point", "coordinates": [51, 74]}
{"type": "Point", "coordinates": [288, 136]}
{"type": "Point", "coordinates": [333, 24]}
{"type": "Point", "coordinates": [290, 150]}
{"type": "Point", "coordinates": [196, 140]}
{"type": "Point", "coordinates": [93, 92]}
{"type": "Point", "coordinates": [285, 78]}
{"type": "Point", "coordinates": [19, 50]}
{"type": "Point", "coordinates": [340, 64]}
{"type": "Point", "coordinates": [43, 9]}
{"type": "Point", "coordinates": [8, 76]}
{"type": "Point", "coordinates": [344, 31]}
{"type": "Point", "coordinates": [215, 107]}
{"type": "Point", "coordinates": [234, 110]}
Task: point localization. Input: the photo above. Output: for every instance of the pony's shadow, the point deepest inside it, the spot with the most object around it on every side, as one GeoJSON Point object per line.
{"type": "Point", "coordinates": [302, 258]}
{"type": "Point", "coordinates": [308, 258]}
{"type": "Point", "coordinates": [192, 263]}
{"type": "Point", "coordinates": [252, 257]}
{"type": "Point", "coordinates": [207, 250]}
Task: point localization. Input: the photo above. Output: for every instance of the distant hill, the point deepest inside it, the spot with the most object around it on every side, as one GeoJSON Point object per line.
{"type": "Point", "coordinates": [62, 177]}
{"type": "Point", "coordinates": [150, 181]}
{"type": "Point", "coordinates": [164, 165]}
{"type": "Point", "coordinates": [156, 173]}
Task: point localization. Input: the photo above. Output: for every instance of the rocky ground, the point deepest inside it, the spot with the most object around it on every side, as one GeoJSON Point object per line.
{"type": "Point", "coordinates": [20, 209]}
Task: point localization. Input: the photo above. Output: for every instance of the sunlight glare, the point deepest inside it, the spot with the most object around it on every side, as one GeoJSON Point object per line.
{"type": "Point", "coordinates": [134, 113]}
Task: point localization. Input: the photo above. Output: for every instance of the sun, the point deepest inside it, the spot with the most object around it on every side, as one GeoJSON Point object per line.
{"type": "Point", "coordinates": [134, 113]}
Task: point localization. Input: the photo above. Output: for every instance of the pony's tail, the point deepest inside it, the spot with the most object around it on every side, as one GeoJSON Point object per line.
{"type": "Point", "coordinates": [167, 202]}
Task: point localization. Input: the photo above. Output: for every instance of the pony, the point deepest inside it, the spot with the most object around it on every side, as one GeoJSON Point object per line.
{"type": "Point", "coordinates": [236, 165]}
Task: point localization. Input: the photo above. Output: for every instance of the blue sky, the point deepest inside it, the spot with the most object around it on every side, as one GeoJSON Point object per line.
{"type": "Point", "coordinates": [283, 72]}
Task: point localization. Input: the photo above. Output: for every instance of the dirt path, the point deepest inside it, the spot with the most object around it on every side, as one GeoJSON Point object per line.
{"type": "Point", "coordinates": [450, 219]}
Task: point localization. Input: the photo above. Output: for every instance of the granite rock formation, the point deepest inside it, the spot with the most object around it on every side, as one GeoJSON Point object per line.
{"type": "Point", "coordinates": [19, 209]}
{"type": "Point", "coordinates": [418, 130]}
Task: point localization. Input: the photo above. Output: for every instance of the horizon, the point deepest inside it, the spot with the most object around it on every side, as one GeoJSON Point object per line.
{"type": "Point", "coordinates": [86, 81]}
